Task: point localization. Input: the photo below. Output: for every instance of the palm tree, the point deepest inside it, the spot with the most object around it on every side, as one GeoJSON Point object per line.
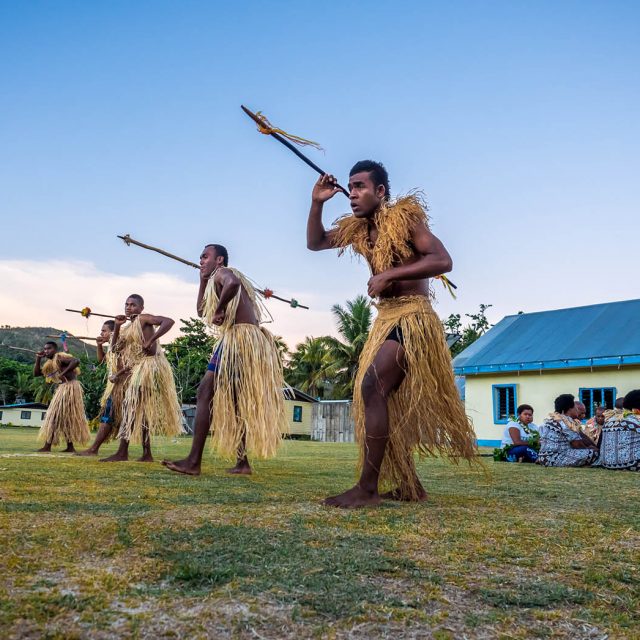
{"type": "Point", "coordinates": [311, 367]}
{"type": "Point", "coordinates": [354, 323]}
{"type": "Point", "coordinates": [42, 391]}
{"type": "Point", "coordinates": [23, 386]}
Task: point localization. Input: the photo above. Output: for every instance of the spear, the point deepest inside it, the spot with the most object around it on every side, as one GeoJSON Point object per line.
{"type": "Point", "coordinates": [86, 312]}
{"type": "Point", "coordinates": [265, 127]}
{"type": "Point", "coordinates": [265, 293]}
{"type": "Point", "coordinates": [8, 346]}
{"type": "Point", "coordinates": [76, 337]}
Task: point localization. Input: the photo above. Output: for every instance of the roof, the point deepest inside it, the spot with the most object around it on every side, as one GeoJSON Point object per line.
{"type": "Point", "coordinates": [598, 335]}
{"type": "Point", "coordinates": [300, 396]}
{"type": "Point", "coordinates": [25, 405]}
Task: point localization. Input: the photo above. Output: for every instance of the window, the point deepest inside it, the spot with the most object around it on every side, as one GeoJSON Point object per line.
{"type": "Point", "coordinates": [504, 402]}
{"type": "Point", "coordinates": [0, 415]}
{"type": "Point", "coordinates": [42, 415]}
{"type": "Point", "coordinates": [25, 415]}
{"type": "Point", "coordinates": [297, 413]}
{"type": "Point", "coordinates": [598, 397]}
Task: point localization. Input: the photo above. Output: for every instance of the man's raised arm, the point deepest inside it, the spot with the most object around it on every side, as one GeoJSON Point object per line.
{"type": "Point", "coordinates": [318, 238]}
{"type": "Point", "coordinates": [163, 324]}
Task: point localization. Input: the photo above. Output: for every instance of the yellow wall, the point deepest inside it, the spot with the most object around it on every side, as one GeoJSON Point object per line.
{"type": "Point", "coordinates": [13, 416]}
{"type": "Point", "coordinates": [299, 428]}
{"type": "Point", "coordinates": [538, 390]}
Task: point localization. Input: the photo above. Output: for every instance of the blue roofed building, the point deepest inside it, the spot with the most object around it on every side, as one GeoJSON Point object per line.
{"type": "Point", "coordinates": [592, 352]}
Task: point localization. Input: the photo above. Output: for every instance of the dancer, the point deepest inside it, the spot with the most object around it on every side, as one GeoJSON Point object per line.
{"type": "Point", "coordinates": [65, 417]}
{"type": "Point", "coordinates": [113, 394]}
{"type": "Point", "coordinates": [150, 406]}
{"type": "Point", "coordinates": [405, 398]}
{"type": "Point", "coordinates": [240, 398]}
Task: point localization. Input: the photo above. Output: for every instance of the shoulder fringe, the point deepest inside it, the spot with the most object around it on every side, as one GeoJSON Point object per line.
{"type": "Point", "coordinates": [50, 372]}
{"type": "Point", "coordinates": [574, 425]}
{"type": "Point", "coordinates": [129, 345]}
{"type": "Point", "coordinates": [211, 300]}
{"type": "Point", "coordinates": [394, 221]}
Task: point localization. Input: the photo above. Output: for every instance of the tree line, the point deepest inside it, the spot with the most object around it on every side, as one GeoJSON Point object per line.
{"type": "Point", "coordinates": [324, 367]}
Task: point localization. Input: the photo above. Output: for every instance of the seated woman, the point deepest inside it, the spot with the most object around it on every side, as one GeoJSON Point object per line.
{"type": "Point", "coordinates": [560, 445]}
{"type": "Point", "coordinates": [518, 437]}
{"type": "Point", "coordinates": [620, 437]}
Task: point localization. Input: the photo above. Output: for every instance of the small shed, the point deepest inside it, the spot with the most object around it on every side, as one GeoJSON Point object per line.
{"type": "Point", "coordinates": [298, 406]}
{"type": "Point", "coordinates": [24, 414]}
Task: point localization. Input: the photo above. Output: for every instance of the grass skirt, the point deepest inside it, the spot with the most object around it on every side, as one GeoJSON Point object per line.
{"type": "Point", "coordinates": [150, 401]}
{"type": "Point", "coordinates": [65, 419]}
{"type": "Point", "coordinates": [249, 396]}
{"type": "Point", "coordinates": [425, 413]}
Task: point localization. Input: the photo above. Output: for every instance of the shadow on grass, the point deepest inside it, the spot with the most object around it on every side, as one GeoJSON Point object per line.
{"type": "Point", "coordinates": [335, 575]}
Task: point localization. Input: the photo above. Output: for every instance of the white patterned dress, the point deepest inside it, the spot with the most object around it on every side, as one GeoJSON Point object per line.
{"type": "Point", "coordinates": [620, 442]}
{"type": "Point", "coordinates": [555, 444]}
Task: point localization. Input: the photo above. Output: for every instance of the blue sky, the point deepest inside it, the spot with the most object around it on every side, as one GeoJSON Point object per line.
{"type": "Point", "coordinates": [518, 119]}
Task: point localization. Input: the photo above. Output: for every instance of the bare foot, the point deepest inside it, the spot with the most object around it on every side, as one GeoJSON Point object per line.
{"type": "Point", "coordinates": [396, 494]}
{"type": "Point", "coordinates": [69, 449]}
{"type": "Point", "coordinates": [353, 499]}
{"type": "Point", "coordinates": [45, 449]}
{"type": "Point", "coordinates": [116, 457]}
{"type": "Point", "coordinates": [182, 466]}
{"type": "Point", "coordinates": [242, 468]}
{"type": "Point", "coordinates": [145, 457]}
{"type": "Point", "coordinates": [88, 452]}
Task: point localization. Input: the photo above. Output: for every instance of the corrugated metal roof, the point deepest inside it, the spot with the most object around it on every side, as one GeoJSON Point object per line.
{"type": "Point", "coordinates": [596, 335]}
{"type": "Point", "coordinates": [25, 405]}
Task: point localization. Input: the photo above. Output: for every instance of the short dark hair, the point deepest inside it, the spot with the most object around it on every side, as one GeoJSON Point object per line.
{"type": "Point", "coordinates": [564, 402]}
{"type": "Point", "coordinates": [379, 175]}
{"type": "Point", "coordinates": [52, 343]}
{"type": "Point", "coordinates": [110, 323]}
{"type": "Point", "coordinates": [220, 251]}
{"type": "Point", "coordinates": [632, 400]}
{"type": "Point", "coordinates": [619, 402]}
{"type": "Point", "coordinates": [524, 407]}
{"type": "Point", "coordinates": [138, 297]}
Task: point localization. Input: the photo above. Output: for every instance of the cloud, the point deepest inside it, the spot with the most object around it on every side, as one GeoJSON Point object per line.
{"type": "Point", "coordinates": [36, 293]}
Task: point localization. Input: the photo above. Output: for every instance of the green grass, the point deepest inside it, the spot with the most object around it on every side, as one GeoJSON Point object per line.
{"type": "Point", "coordinates": [132, 551]}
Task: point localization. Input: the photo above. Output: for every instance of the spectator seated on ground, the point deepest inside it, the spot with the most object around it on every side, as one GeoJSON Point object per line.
{"type": "Point", "coordinates": [594, 425]}
{"type": "Point", "coordinates": [520, 440]}
{"type": "Point", "coordinates": [560, 445]}
{"type": "Point", "coordinates": [620, 438]}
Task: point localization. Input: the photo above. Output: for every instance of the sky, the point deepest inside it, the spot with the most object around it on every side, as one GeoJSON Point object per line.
{"type": "Point", "coordinates": [517, 119]}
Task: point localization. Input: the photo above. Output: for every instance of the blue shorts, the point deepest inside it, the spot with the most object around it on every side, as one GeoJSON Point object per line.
{"type": "Point", "coordinates": [214, 363]}
{"type": "Point", "coordinates": [107, 413]}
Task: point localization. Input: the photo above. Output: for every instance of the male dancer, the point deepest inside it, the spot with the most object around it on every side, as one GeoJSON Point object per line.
{"type": "Point", "coordinates": [113, 394]}
{"type": "Point", "coordinates": [240, 398]}
{"type": "Point", "coordinates": [405, 397]}
{"type": "Point", "coordinates": [65, 418]}
{"type": "Point", "coordinates": [150, 405]}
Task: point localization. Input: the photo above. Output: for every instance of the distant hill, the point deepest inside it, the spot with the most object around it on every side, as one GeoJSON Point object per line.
{"type": "Point", "coordinates": [34, 338]}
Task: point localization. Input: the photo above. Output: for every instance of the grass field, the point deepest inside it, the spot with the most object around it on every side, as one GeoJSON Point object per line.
{"type": "Point", "coordinates": [91, 550]}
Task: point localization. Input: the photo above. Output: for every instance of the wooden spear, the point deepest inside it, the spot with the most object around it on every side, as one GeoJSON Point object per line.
{"type": "Point", "coordinates": [265, 128]}
{"type": "Point", "coordinates": [8, 346]}
{"type": "Point", "coordinates": [265, 293]}
{"type": "Point", "coordinates": [76, 337]}
{"type": "Point", "coordinates": [86, 313]}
